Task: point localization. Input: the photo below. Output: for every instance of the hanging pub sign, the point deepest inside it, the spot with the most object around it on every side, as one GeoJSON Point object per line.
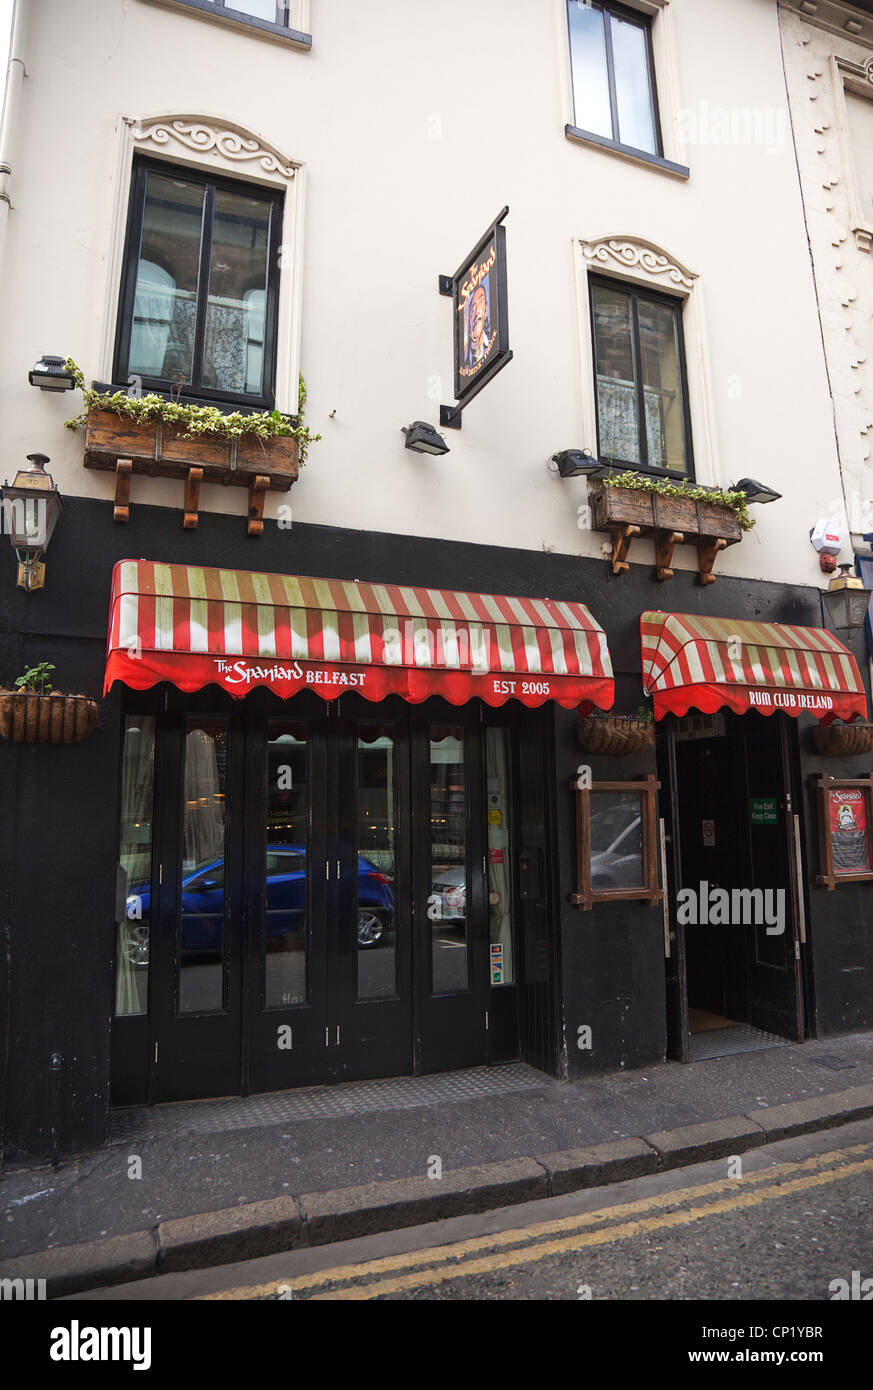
{"type": "Point", "coordinates": [480, 319]}
{"type": "Point", "coordinates": [845, 827]}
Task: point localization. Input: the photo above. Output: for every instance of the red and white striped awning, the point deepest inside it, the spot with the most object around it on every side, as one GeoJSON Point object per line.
{"type": "Point", "coordinates": [196, 627]}
{"type": "Point", "coordinates": [705, 663]}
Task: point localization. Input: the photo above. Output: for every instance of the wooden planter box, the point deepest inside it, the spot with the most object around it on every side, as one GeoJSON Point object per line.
{"type": "Point", "coordinates": [844, 740]}
{"type": "Point", "coordinates": [615, 735]}
{"type": "Point", "coordinates": [29, 718]}
{"type": "Point", "coordinates": [626, 513]}
{"type": "Point", "coordinates": [118, 444]}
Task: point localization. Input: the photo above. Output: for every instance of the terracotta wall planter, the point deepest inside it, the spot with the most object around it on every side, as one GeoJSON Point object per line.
{"type": "Point", "coordinates": [615, 735]}
{"type": "Point", "coordinates": [844, 740]}
{"type": "Point", "coordinates": [116, 443]}
{"type": "Point", "coordinates": [29, 718]}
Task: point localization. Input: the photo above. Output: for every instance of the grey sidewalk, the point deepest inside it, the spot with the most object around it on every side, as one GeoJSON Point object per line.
{"type": "Point", "coordinates": [327, 1162]}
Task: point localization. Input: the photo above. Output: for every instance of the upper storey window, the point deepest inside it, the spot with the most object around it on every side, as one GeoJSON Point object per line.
{"type": "Point", "coordinates": [613, 75]}
{"type": "Point", "coordinates": [199, 296]}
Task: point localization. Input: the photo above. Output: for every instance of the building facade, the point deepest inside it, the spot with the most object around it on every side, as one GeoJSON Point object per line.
{"type": "Point", "coordinates": [337, 821]}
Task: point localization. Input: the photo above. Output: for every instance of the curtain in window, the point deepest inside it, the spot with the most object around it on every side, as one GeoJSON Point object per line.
{"type": "Point", "coordinates": [204, 804]}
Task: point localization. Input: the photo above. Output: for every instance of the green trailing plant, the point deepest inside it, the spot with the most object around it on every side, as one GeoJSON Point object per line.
{"type": "Point", "coordinates": [720, 497]}
{"type": "Point", "coordinates": [37, 679]}
{"type": "Point", "coordinates": [195, 420]}
{"type": "Point", "coordinates": [642, 716]}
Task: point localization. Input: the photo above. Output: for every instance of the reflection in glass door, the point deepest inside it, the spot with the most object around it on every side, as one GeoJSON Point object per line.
{"type": "Point", "coordinates": [377, 868]}
{"type": "Point", "coordinates": [287, 850]}
{"type": "Point", "coordinates": [448, 861]}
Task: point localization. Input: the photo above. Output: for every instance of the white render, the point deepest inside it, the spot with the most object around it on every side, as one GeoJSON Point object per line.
{"type": "Point", "coordinates": [829, 67]}
{"type": "Point", "coordinates": [398, 138]}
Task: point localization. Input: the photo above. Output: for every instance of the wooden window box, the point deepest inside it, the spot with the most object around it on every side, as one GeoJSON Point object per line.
{"type": "Point", "coordinates": [625, 513]}
{"type": "Point", "coordinates": [118, 444]}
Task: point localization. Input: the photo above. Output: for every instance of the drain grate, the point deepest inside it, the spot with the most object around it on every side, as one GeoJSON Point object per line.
{"type": "Point", "coordinates": [724, 1042]}
{"type": "Point", "coordinates": [321, 1102]}
{"type": "Point", "coordinates": [833, 1063]}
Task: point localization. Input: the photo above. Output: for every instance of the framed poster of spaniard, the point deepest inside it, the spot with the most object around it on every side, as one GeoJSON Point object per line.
{"type": "Point", "coordinates": [845, 816]}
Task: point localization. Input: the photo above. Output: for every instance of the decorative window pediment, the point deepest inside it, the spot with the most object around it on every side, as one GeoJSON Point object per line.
{"type": "Point", "coordinates": [632, 258]}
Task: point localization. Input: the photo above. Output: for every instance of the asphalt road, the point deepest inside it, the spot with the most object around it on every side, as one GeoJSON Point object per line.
{"type": "Point", "coordinates": [786, 1224]}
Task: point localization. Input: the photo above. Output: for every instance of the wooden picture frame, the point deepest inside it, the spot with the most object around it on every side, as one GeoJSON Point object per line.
{"type": "Point", "coordinates": [586, 895]}
{"type": "Point", "coordinates": [860, 791]}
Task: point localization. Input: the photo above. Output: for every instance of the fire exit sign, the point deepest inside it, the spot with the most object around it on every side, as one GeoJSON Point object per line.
{"type": "Point", "coordinates": [763, 810]}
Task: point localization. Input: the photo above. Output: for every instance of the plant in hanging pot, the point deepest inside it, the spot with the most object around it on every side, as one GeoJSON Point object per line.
{"type": "Point", "coordinates": [617, 734]}
{"type": "Point", "coordinates": [33, 712]}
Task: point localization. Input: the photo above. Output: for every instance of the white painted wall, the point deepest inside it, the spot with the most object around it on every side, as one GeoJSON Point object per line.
{"type": "Point", "coordinates": [831, 98]}
{"type": "Point", "coordinates": [388, 207]}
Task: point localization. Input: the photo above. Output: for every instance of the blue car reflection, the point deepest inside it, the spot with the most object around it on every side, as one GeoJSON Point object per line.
{"type": "Point", "coordinates": [203, 906]}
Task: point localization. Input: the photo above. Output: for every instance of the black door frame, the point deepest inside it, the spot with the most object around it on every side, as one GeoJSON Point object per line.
{"type": "Point", "coordinates": [791, 804]}
{"type": "Point", "coordinates": [135, 1071]}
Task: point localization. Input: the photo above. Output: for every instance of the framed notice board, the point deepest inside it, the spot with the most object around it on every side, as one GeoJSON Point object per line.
{"type": "Point", "coordinates": [845, 830]}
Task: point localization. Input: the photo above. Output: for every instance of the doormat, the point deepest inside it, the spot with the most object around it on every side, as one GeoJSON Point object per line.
{"type": "Point", "coordinates": [322, 1102]}
{"type": "Point", "coordinates": [833, 1063]}
{"type": "Point", "coordinates": [724, 1042]}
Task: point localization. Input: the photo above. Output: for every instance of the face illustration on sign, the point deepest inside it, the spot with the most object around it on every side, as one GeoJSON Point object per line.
{"type": "Point", "coordinates": [478, 338]}
{"type": "Point", "coordinates": [847, 817]}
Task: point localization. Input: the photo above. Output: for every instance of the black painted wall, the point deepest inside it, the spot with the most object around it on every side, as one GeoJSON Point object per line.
{"type": "Point", "coordinates": [58, 805]}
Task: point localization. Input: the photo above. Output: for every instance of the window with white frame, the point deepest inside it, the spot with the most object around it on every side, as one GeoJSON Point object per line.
{"type": "Point", "coordinates": [204, 289]}
{"type": "Point", "coordinates": [644, 360]}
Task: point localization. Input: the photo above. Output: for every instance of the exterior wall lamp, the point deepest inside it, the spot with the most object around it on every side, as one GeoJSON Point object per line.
{"type": "Point", "coordinates": [51, 374]}
{"type": "Point", "coordinates": [424, 439]}
{"type": "Point", "coordinates": [576, 463]}
{"type": "Point", "coordinates": [31, 507]}
{"type": "Point", "coordinates": [847, 600]}
{"type": "Point", "coordinates": [757, 492]}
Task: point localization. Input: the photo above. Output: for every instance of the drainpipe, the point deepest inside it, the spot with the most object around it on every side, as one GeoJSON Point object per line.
{"type": "Point", "coordinates": [15, 74]}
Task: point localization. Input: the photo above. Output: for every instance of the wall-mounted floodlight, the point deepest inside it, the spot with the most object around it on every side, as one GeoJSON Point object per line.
{"type": "Point", "coordinates": [576, 463]}
{"type": "Point", "coordinates": [424, 439]}
{"type": "Point", "coordinates": [756, 492]}
{"type": "Point", "coordinates": [51, 374]}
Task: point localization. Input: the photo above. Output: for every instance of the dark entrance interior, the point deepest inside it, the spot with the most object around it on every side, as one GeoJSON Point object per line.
{"type": "Point", "coordinates": [321, 892]}
{"type": "Point", "coordinates": [734, 975]}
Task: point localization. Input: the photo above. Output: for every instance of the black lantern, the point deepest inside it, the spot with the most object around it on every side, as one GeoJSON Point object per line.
{"type": "Point", "coordinates": [31, 507]}
{"type": "Point", "coordinates": [846, 600]}
{"type": "Point", "coordinates": [424, 439]}
{"type": "Point", "coordinates": [52, 374]}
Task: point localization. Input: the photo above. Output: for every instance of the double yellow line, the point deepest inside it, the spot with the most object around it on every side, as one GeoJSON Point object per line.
{"type": "Point", "coordinates": [439, 1264]}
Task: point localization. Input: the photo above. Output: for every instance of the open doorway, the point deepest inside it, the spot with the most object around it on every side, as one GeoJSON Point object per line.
{"type": "Point", "coordinates": [734, 985]}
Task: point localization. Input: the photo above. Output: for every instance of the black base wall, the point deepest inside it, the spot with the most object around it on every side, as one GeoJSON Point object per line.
{"type": "Point", "coordinates": [59, 805]}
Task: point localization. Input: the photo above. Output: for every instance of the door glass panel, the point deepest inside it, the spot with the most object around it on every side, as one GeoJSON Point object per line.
{"type": "Point", "coordinates": [500, 961]}
{"type": "Point", "coordinates": [233, 354]}
{"type": "Point", "coordinates": [135, 857]}
{"type": "Point", "coordinates": [287, 813]}
{"type": "Point", "coordinates": [165, 301]}
{"type": "Point", "coordinates": [202, 907]}
{"type": "Point", "coordinates": [447, 906]}
{"type": "Point", "coordinates": [376, 858]}
{"type": "Point", "coordinates": [662, 386]}
{"type": "Point", "coordinates": [633, 92]}
{"type": "Point", "coordinates": [617, 423]}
